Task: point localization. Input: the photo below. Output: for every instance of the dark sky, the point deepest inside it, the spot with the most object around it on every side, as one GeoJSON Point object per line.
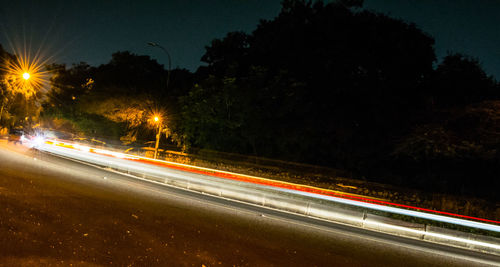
{"type": "Point", "coordinates": [90, 31]}
{"type": "Point", "coordinates": [471, 27]}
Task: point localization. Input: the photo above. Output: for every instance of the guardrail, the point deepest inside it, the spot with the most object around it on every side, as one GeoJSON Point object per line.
{"type": "Point", "coordinates": [285, 197]}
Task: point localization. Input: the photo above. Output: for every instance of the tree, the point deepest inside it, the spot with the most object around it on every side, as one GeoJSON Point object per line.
{"type": "Point", "coordinates": [3, 87]}
{"type": "Point", "coordinates": [214, 121]}
{"type": "Point", "coordinates": [118, 95]}
{"type": "Point", "coordinates": [18, 97]}
{"type": "Point", "coordinates": [68, 86]}
{"type": "Point", "coordinates": [322, 83]}
{"type": "Point", "coordinates": [460, 80]}
{"type": "Point", "coordinates": [459, 154]}
{"type": "Point", "coordinates": [130, 74]}
{"type": "Point", "coordinates": [226, 56]}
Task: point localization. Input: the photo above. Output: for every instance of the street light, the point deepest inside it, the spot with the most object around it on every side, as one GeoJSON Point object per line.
{"type": "Point", "coordinates": [169, 60]}
{"type": "Point", "coordinates": [158, 135]}
{"type": "Point", "coordinates": [26, 77]}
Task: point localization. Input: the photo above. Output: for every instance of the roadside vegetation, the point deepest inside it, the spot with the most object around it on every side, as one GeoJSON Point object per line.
{"type": "Point", "coordinates": [327, 84]}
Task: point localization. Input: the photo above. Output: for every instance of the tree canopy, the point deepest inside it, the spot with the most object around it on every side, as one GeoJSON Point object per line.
{"type": "Point", "coordinates": [336, 85]}
{"type": "Point", "coordinates": [312, 80]}
{"type": "Point", "coordinates": [114, 100]}
{"type": "Point", "coordinates": [323, 83]}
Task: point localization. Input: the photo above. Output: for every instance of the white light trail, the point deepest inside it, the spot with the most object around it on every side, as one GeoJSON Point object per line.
{"type": "Point", "coordinates": [411, 213]}
{"type": "Point", "coordinates": [119, 161]}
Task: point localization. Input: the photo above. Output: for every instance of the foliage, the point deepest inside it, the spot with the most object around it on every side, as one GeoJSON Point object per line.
{"type": "Point", "coordinates": [69, 85]}
{"type": "Point", "coordinates": [215, 122]}
{"type": "Point", "coordinates": [19, 105]}
{"type": "Point", "coordinates": [312, 80]}
{"type": "Point", "coordinates": [323, 83]}
{"type": "Point", "coordinates": [121, 94]}
{"type": "Point", "coordinates": [335, 85]}
{"type": "Point", "coordinates": [4, 93]}
{"type": "Point", "coordinates": [450, 152]}
{"type": "Point", "coordinates": [459, 80]}
{"type": "Point", "coordinates": [130, 112]}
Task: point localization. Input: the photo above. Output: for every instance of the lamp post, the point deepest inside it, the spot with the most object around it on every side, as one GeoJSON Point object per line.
{"type": "Point", "coordinates": [158, 135]}
{"type": "Point", "coordinates": [26, 76]}
{"type": "Point", "coordinates": [157, 118]}
{"type": "Point", "coordinates": [169, 60]}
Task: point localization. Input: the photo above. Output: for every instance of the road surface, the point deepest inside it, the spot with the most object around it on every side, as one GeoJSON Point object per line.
{"type": "Point", "coordinates": [59, 212]}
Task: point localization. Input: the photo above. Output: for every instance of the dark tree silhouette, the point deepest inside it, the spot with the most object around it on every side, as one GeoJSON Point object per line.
{"type": "Point", "coordinates": [460, 80]}
{"type": "Point", "coordinates": [109, 99]}
{"type": "Point", "coordinates": [311, 83]}
{"type": "Point", "coordinates": [323, 83]}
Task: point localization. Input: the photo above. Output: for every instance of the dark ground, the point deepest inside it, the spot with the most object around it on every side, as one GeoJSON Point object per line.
{"type": "Point", "coordinates": [72, 216]}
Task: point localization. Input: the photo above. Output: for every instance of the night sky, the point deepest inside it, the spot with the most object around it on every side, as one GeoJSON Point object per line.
{"type": "Point", "coordinates": [90, 31]}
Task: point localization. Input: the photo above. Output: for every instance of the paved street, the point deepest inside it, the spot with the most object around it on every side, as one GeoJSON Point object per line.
{"type": "Point", "coordinates": [58, 212]}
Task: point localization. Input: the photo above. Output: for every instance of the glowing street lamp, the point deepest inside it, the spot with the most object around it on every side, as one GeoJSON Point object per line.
{"type": "Point", "coordinates": [23, 75]}
{"type": "Point", "coordinates": [158, 135]}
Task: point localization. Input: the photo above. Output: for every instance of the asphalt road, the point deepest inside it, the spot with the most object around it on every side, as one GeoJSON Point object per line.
{"type": "Point", "coordinates": [58, 212]}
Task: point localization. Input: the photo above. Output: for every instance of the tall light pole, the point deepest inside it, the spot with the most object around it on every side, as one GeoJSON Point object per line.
{"type": "Point", "coordinates": [157, 118]}
{"type": "Point", "coordinates": [158, 135]}
{"type": "Point", "coordinates": [169, 60]}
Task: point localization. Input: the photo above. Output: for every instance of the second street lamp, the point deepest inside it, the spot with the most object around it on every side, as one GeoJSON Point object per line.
{"type": "Point", "coordinates": [157, 119]}
{"type": "Point", "coordinates": [158, 135]}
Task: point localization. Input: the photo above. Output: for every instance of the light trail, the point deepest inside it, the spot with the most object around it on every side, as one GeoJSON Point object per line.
{"type": "Point", "coordinates": [438, 235]}
{"type": "Point", "coordinates": [422, 215]}
{"type": "Point", "coordinates": [123, 160]}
